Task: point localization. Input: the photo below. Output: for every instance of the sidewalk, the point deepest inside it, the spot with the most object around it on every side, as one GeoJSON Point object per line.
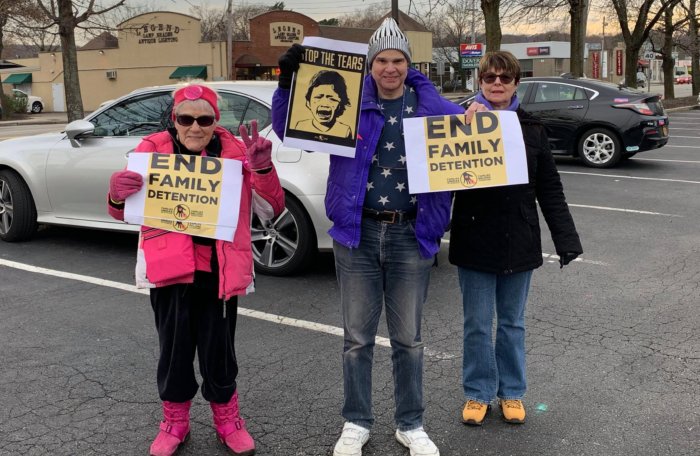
{"type": "Point", "coordinates": [43, 118]}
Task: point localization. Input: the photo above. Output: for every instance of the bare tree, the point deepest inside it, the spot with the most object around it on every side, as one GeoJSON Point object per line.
{"type": "Point", "coordinates": [492, 23]}
{"type": "Point", "coordinates": [649, 12]}
{"type": "Point", "coordinates": [9, 9]}
{"type": "Point", "coordinates": [691, 11]}
{"type": "Point", "coordinates": [69, 15]}
{"type": "Point", "coordinates": [364, 18]}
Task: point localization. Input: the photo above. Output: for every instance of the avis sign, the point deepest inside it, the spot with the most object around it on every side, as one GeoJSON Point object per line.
{"type": "Point", "coordinates": [471, 50]}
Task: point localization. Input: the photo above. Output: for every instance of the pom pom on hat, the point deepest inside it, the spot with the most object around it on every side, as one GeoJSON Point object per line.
{"type": "Point", "coordinates": [195, 92]}
{"type": "Point", "coordinates": [387, 36]}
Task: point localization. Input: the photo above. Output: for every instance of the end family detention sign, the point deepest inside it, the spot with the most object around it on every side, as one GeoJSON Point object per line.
{"type": "Point", "coordinates": [199, 196]}
{"type": "Point", "coordinates": [455, 155]}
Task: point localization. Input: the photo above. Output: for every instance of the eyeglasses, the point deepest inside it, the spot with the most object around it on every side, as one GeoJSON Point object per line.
{"type": "Point", "coordinates": [490, 78]}
{"type": "Point", "coordinates": [187, 120]}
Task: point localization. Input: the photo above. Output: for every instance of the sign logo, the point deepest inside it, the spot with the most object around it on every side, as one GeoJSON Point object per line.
{"type": "Point", "coordinates": [534, 51]}
{"type": "Point", "coordinates": [468, 179]}
{"type": "Point", "coordinates": [181, 212]}
{"type": "Point", "coordinates": [471, 50]}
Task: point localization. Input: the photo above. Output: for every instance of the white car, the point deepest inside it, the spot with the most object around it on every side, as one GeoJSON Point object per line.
{"type": "Point", "coordinates": [34, 104]}
{"type": "Point", "coordinates": [63, 178]}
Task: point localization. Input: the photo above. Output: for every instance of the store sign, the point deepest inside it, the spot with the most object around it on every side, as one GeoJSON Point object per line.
{"type": "Point", "coordinates": [157, 33]}
{"type": "Point", "coordinates": [535, 51]}
{"type": "Point", "coordinates": [471, 50]}
{"type": "Point", "coordinates": [469, 62]}
{"type": "Point", "coordinates": [618, 62]}
{"type": "Point", "coordinates": [595, 56]}
{"type": "Point", "coordinates": [285, 33]}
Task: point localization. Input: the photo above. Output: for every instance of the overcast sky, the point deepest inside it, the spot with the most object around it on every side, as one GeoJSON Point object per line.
{"type": "Point", "coordinates": [316, 9]}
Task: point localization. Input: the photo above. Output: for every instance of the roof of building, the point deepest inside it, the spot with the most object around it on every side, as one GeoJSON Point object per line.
{"type": "Point", "coordinates": [355, 35]}
{"type": "Point", "coordinates": [104, 40]}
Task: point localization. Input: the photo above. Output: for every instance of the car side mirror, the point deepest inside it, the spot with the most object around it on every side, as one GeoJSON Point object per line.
{"type": "Point", "coordinates": [78, 129]}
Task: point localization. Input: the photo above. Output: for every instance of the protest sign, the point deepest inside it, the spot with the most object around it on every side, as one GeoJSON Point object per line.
{"type": "Point", "coordinates": [195, 195]}
{"type": "Point", "coordinates": [324, 105]}
{"type": "Point", "coordinates": [448, 154]}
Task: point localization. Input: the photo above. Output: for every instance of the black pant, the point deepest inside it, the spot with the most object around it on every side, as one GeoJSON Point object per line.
{"type": "Point", "coordinates": [190, 320]}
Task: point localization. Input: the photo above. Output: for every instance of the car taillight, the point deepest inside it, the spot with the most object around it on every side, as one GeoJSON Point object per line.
{"type": "Point", "coordinates": [641, 108]}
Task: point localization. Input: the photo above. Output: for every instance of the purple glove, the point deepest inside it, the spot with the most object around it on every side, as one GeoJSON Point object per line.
{"type": "Point", "coordinates": [258, 149]}
{"type": "Point", "coordinates": [124, 183]}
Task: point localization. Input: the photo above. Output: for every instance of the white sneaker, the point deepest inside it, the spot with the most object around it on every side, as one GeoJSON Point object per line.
{"type": "Point", "coordinates": [351, 440]}
{"type": "Point", "coordinates": [418, 442]}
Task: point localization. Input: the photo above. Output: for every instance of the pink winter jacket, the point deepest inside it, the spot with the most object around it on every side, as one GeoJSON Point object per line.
{"type": "Point", "coordinates": [169, 257]}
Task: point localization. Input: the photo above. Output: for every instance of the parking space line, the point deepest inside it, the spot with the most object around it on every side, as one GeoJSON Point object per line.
{"type": "Point", "coordinates": [667, 160]}
{"type": "Point", "coordinates": [671, 145]}
{"type": "Point", "coordinates": [279, 319]}
{"type": "Point", "coordinates": [617, 176]}
{"type": "Point", "coordinates": [620, 209]}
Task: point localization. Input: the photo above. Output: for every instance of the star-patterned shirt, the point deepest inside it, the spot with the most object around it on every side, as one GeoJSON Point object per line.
{"type": "Point", "coordinates": [387, 183]}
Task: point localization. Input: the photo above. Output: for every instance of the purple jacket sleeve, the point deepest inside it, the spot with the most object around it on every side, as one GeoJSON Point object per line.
{"type": "Point", "coordinates": [280, 104]}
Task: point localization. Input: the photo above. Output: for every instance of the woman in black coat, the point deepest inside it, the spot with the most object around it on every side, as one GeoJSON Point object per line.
{"type": "Point", "coordinates": [495, 242]}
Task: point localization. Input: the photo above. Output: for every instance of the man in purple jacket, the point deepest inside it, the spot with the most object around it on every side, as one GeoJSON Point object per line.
{"type": "Point", "coordinates": [385, 239]}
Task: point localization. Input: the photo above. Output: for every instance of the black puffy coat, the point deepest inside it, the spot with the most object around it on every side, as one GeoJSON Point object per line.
{"type": "Point", "coordinates": [497, 229]}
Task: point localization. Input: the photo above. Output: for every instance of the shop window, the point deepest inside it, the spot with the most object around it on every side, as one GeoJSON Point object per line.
{"type": "Point", "coordinates": [138, 116]}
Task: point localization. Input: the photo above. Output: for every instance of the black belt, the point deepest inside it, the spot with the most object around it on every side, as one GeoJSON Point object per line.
{"type": "Point", "coordinates": [389, 216]}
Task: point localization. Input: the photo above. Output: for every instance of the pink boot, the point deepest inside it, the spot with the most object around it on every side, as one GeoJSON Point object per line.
{"type": "Point", "coordinates": [230, 428]}
{"type": "Point", "coordinates": [174, 429]}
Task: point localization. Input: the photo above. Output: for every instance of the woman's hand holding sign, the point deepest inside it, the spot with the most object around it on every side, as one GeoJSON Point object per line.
{"type": "Point", "coordinates": [258, 149]}
{"type": "Point", "coordinates": [474, 107]}
{"type": "Point", "coordinates": [123, 184]}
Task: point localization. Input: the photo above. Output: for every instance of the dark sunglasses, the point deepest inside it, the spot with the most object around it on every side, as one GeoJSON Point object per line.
{"type": "Point", "coordinates": [203, 121]}
{"type": "Point", "coordinates": [490, 78]}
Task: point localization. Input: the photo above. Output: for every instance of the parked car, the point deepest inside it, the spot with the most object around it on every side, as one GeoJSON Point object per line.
{"type": "Point", "coordinates": [684, 79]}
{"type": "Point", "coordinates": [34, 104]}
{"type": "Point", "coordinates": [63, 178]}
{"type": "Point", "coordinates": [599, 122]}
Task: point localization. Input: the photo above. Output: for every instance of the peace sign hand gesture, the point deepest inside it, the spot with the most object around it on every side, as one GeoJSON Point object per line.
{"type": "Point", "coordinates": [258, 149]}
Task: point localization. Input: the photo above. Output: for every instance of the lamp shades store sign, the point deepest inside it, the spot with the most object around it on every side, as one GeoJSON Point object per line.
{"type": "Point", "coordinates": [157, 33]}
{"type": "Point", "coordinates": [535, 51]}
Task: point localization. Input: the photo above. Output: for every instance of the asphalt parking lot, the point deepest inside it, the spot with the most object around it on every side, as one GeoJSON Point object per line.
{"type": "Point", "coordinates": [612, 342]}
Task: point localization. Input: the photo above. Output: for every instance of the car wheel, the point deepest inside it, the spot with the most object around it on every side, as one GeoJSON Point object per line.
{"type": "Point", "coordinates": [17, 211]}
{"type": "Point", "coordinates": [37, 107]}
{"type": "Point", "coordinates": [599, 148]}
{"type": "Point", "coordinates": [285, 244]}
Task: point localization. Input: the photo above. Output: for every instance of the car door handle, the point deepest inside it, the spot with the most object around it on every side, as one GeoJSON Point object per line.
{"type": "Point", "coordinates": [575, 107]}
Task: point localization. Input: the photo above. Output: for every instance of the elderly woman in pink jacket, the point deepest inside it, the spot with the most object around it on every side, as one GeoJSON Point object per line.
{"type": "Point", "coordinates": [194, 281]}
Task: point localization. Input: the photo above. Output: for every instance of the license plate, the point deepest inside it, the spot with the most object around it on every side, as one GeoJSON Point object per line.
{"type": "Point", "coordinates": [664, 130]}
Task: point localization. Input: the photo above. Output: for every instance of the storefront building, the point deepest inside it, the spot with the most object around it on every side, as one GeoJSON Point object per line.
{"type": "Point", "coordinates": [275, 31]}
{"type": "Point", "coordinates": [164, 47]}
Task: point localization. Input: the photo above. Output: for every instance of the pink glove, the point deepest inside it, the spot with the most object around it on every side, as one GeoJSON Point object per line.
{"type": "Point", "coordinates": [258, 149]}
{"type": "Point", "coordinates": [124, 183]}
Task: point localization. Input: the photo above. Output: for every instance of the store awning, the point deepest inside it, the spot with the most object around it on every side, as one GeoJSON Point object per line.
{"type": "Point", "coordinates": [247, 61]}
{"type": "Point", "coordinates": [192, 72]}
{"type": "Point", "coordinates": [18, 78]}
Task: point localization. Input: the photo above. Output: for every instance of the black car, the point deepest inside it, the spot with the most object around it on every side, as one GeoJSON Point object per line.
{"type": "Point", "coordinates": [598, 121]}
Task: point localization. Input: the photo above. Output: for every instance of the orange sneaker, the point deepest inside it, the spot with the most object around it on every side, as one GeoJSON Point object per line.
{"type": "Point", "coordinates": [513, 411]}
{"type": "Point", "coordinates": [474, 413]}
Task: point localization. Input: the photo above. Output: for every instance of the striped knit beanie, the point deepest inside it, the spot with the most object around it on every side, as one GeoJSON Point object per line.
{"type": "Point", "coordinates": [387, 36]}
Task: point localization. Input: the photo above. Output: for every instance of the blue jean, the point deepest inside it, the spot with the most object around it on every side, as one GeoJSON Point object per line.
{"type": "Point", "coordinates": [385, 270]}
{"type": "Point", "coordinates": [489, 372]}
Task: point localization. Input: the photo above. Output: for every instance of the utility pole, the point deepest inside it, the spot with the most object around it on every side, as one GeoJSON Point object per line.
{"type": "Point", "coordinates": [473, 8]}
{"type": "Point", "coordinates": [395, 11]}
{"type": "Point", "coordinates": [229, 41]}
{"type": "Point", "coordinates": [602, 44]}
